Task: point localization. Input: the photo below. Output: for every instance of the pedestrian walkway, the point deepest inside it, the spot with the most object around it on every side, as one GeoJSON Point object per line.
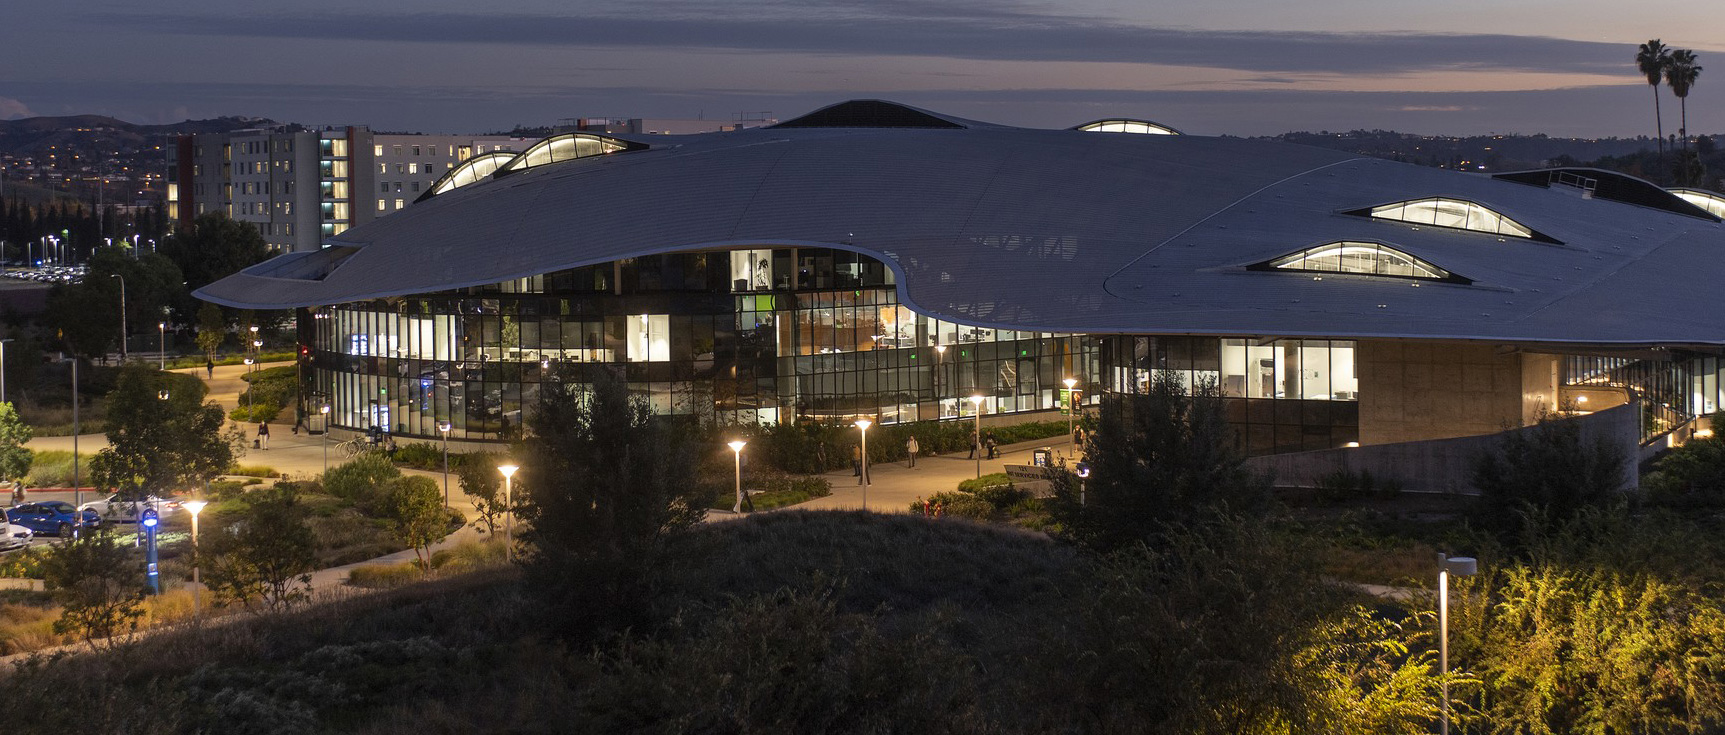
{"type": "Point", "coordinates": [894, 486]}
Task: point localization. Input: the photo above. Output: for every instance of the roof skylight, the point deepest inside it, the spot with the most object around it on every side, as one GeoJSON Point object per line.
{"type": "Point", "coordinates": [1713, 203]}
{"type": "Point", "coordinates": [469, 171]}
{"type": "Point", "coordinates": [1360, 258]}
{"type": "Point", "coordinates": [1459, 214]}
{"type": "Point", "coordinates": [1127, 125]}
{"type": "Point", "coordinates": [566, 147]}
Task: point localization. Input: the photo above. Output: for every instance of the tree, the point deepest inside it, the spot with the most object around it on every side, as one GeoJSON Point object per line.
{"type": "Point", "coordinates": [156, 444]}
{"type": "Point", "coordinates": [213, 248]}
{"type": "Point", "coordinates": [212, 329]}
{"type": "Point", "coordinates": [14, 433]}
{"type": "Point", "coordinates": [1651, 59]}
{"type": "Point", "coordinates": [99, 586]}
{"type": "Point", "coordinates": [1681, 71]}
{"type": "Point", "coordinates": [1693, 475]}
{"type": "Point", "coordinates": [416, 515]}
{"type": "Point", "coordinates": [153, 284]}
{"type": "Point", "coordinates": [86, 316]}
{"type": "Point", "coordinates": [362, 478]}
{"type": "Point", "coordinates": [609, 484]}
{"type": "Point", "coordinates": [483, 485]}
{"type": "Point", "coordinates": [1549, 469]}
{"type": "Point", "coordinates": [270, 555]}
{"type": "Point", "coordinates": [1160, 457]}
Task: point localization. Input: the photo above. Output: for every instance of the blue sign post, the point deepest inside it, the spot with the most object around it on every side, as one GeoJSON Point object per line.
{"type": "Point", "coordinates": [149, 520]}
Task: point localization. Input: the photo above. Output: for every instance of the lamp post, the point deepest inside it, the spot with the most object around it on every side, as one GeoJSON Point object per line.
{"type": "Point", "coordinates": [443, 428]}
{"type": "Point", "coordinates": [324, 409]}
{"type": "Point", "coordinates": [1083, 475]}
{"type": "Point", "coordinates": [123, 334]}
{"type": "Point", "coordinates": [162, 346]}
{"type": "Point", "coordinates": [193, 507]}
{"type": "Point", "coordinates": [862, 427]}
{"type": "Point", "coordinates": [737, 449]}
{"type": "Point", "coordinates": [508, 471]}
{"type": "Point", "coordinates": [1071, 405]}
{"type": "Point", "coordinates": [1447, 565]}
{"type": "Point", "coordinates": [248, 390]}
{"type": "Point", "coordinates": [977, 432]}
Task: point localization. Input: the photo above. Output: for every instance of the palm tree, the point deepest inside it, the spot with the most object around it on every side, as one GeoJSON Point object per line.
{"type": "Point", "coordinates": [1681, 72]}
{"type": "Point", "coordinates": [1652, 59]}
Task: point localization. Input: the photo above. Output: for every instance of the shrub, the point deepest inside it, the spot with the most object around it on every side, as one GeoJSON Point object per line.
{"type": "Point", "coordinates": [424, 456]}
{"type": "Point", "coordinates": [384, 576]}
{"type": "Point", "coordinates": [258, 412]}
{"type": "Point", "coordinates": [53, 468]}
{"type": "Point", "coordinates": [251, 470]}
{"type": "Point", "coordinates": [25, 564]}
{"type": "Point", "coordinates": [1342, 486]}
{"type": "Point", "coordinates": [361, 478]}
{"type": "Point", "coordinates": [469, 556]}
{"type": "Point", "coordinates": [958, 505]}
{"type": "Point", "coordinates": [1691, 476]}
{"type": "Point", "coordinates": [1002, 497]}
{"type": "Point", "coordinates": [1549, 468]}
{"type": "Point", "coordinates": [991, 479]}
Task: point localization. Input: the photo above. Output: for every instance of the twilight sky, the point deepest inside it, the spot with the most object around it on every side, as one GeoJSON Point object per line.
{"type": "Point", "coordinates": [1242, 67]}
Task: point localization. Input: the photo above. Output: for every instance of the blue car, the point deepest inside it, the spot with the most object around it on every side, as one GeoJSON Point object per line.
{"type": "Point", "coordinates": [55, 517]}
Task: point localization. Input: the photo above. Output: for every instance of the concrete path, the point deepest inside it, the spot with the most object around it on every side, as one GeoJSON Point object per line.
{"type": "Point", "coordinates": [894, 486]}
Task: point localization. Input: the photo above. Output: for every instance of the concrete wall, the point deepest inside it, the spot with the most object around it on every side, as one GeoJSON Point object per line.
{"type": "Point", "coordinates": [1415, 391]}
{"type": "Point", "coordinates": [1439, 465]}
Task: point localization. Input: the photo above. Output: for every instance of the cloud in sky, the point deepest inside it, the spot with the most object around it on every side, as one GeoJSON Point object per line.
{"type": "Point", "coordinates": [11, 109]}
{"type": "Point", "coordinates": [962, 32]}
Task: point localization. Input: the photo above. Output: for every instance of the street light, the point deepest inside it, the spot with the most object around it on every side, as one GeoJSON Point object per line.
{"type": "Point", "coordinates": [862, 477]}
{"type": "Point", "coordinates": [1447, 565]}
{"type": "Point", "coordinates": [939, 363]}
{"type": "Point", "coordinates": [977, 434]}
{"type": "Point", "coordinates": [162, 346]}
{"type": "Point", "coordinates": [193, 507]}
{"type": "Point", "coordinates": [249, 396]}
{"type": "Point", "coordinates": [324, 409]}
{"type": "Point", "coordinates": [1071, 405]}
{"type": "Point", "coordinates": [508, 471]}
{"type": "Point", "coordinates": [737, 449]}
{"type": "Point", "coordinates": [1083, 474]}
{"type": "Point", "coordinates": [443, 428]}
{"type": "Point", "coordinates": [123, 334]}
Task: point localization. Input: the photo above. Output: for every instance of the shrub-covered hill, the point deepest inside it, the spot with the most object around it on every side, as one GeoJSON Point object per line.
{"type": "Point", "coordinates": [804, 622]}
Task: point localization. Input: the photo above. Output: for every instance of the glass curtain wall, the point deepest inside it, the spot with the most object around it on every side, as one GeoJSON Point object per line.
{"type": "Point", "coordinates": [1673, 391]}
{"type": "Point", "coordinates": [762, 335]}
{"type": "Point", "coordinates": [1280, 395]}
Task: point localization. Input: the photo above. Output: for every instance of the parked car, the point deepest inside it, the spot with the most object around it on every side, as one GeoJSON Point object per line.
{"type": "Point", "coordinates": [115, 509]}
{"type": "Point", "coordinates": [55, 517]}
{"type": "Point", "coordinates": [16, 536]}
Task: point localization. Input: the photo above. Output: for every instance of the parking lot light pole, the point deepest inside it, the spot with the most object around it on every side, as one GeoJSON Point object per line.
{"type": "Point", "coordinates": [737, 449]}
{"type": "Point", "coordinates": [162, 346]}
{"type": "Point", "coordinates": [193, 507]}
{"type": "Point", "coordinates": [862, 427]}
{"type": "Point", "coordinates": [443, 428]}
{"type": "Point", "coordinates": [324, 409]}
{"type": "Point", "coordinates": [1447, 565]}
{"type": "Point", "coordinates": [1071, 405]}
{"type": "Point", "coordinates": [508, 471]}
{"type": "Point", "coordinates": [977, 433]}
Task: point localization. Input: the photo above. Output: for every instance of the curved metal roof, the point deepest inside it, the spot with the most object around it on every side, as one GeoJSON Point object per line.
{"type": "Point", "coordinates": [1060, 230]}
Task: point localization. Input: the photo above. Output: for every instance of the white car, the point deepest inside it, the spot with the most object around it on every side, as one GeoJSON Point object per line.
{"type": "Point", "coordinates": [17, 537]}
{"type": "Point", "coordinates": [115, 509]}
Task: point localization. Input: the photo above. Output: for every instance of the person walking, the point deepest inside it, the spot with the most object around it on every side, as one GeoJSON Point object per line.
{"type": "Point", "coordinates": [856, 463]}
{"type": "Point", "coordinates": [209, 369]}
{"type": "Point", "coordinates": [975, 443]}
{"type": "Point", "coordinates": [264, 435]}
{"type": "Point", "coordinates": [991, 445]}
{"type": "Point", "coordinates": [911, 449]}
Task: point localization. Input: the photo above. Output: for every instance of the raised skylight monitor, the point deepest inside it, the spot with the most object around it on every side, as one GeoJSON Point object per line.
{"type": "Point", "coordinates": [469, 171]}
{"type": "Point", "coordinates": [1458, 214]}
{"type": "Point", "coordinates": [1359, 257]}
{"type": "Point", "coordinates": [566, 147]}
{"type": "Point", "coordinates": [1127, 125]}
{"type": "Point", "coordinates": [1713, 203]}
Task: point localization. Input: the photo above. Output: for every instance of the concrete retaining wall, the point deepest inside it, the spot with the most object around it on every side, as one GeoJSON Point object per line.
{"type": "Point", "coordinates": [1439, 465]}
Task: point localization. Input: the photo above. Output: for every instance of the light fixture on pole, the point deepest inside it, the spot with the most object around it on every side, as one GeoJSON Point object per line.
{"type": "Point", "coordinates": [161, 346]}
{"type": "Point", "coordinates": [162, 394]}
{"type": "Point", "coordinates": [249, 398]}
{"type": "Point", "coordinates": [862, 427]}
{"type": "Point", "coordinates": [976, 434]}
{"type": "Point", "coordinates": [193, 507]}
{"type": "Point", "coordinates": [1071, 405]}
{"type": "Point", "coordinates": [1083, 475]}
{"type": "Point", "coordinates": [737, 449]}
{"type": "Point", "coordinates": [324, 409]}
{"type": "Point", "coordinates": [123, 334]}
{"type": "Point", "coordinates": [1447, 565]}
{"type": "Point", "coordinates": [443, 428]}
{"type": "Point", "coordinates": [508, 471]}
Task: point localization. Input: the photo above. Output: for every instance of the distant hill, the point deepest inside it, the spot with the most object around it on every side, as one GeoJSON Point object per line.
{"type": "Point", "coordinates": [31, 135]}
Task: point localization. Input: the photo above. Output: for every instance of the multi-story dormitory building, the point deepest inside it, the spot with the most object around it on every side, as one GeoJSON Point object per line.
{"type": "Point", "coordinates": [301, 186]}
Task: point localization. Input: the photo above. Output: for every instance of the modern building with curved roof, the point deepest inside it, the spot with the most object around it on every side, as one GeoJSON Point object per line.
{"type": "Point", "coordinates": [829, 263]}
